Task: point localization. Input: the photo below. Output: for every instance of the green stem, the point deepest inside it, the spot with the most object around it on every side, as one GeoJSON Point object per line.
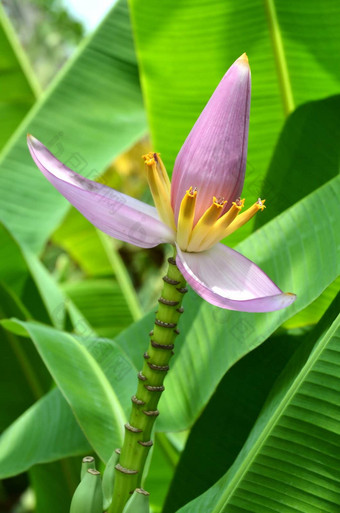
{"type": "Point", "coordinates": [137, 440]}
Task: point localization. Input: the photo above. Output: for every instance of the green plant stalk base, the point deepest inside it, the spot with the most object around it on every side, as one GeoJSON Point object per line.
{"type": "Point", "coordinates": [137, 442]}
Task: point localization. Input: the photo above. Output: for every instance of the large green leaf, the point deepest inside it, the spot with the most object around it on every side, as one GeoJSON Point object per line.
{"type": "Point", "coordinates": [92, 374]}
{"type": "Point", "coordinates": [83, 383]}
{"type": "Point", "coordinates": [18, 87]}
{"type": "Point", "coordinates": [187, 46]}
{"type": "Point", "coordinates": [27, 442]}
{"type": "Point", "coordinates": [91, 113]}
{"type": "Point", "coordinates": [290, 461]}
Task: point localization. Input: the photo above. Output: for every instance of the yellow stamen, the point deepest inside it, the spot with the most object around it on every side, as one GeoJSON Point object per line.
{"type": "Point", "coordinates": [245, 217]}
{"type": "Point", "coordinates": [154, 159]}
{"type": "Point", "coordinates": [159, 184]}
{"type": "Point", "coordinates": [205, 223]}
{"type": "Point", "coordinates": [217, 230]}
{"type": "Point", "coordinates": [186, 218]}
{"type": "Point", "coordinates": [163, 172]}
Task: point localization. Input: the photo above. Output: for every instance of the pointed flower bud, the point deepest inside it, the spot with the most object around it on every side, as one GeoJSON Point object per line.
{"type": "Point", "coordinates": [213, 157]}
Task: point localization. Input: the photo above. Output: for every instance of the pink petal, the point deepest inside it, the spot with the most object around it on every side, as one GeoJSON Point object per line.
{"type": "Point", "coordinates": [227, 279]}
{"type": "Point", "coordinates": [114, 213]}
{"type": "Point", "coordinates": [213, 157]}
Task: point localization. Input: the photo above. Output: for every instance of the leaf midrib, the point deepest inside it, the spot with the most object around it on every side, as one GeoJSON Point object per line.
{"type": "Point", "coordinates": [113, 400]}
{"type": "Point", "coordinates": [280, 58]}
{"type": "Point", "coordinates": [22, 59]}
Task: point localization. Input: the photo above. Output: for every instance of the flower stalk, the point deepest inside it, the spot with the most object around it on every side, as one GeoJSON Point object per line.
{"type": "Point", "coordinates": [137, 441]}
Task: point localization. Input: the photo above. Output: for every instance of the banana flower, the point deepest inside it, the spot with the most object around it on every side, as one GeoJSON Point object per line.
{"type": "Point", "coordinates": [199, 208]}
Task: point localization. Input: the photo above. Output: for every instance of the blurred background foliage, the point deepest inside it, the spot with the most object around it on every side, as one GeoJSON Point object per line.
{"type": "Point", "coordinates": [47, 32]}
{"type": "Point", "coordinates": [98, 98]}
